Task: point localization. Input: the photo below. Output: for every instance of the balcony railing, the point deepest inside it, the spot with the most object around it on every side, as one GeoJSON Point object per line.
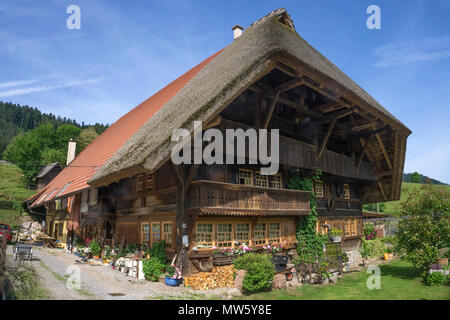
{"type": "Point", "coordinates": [211, 197]}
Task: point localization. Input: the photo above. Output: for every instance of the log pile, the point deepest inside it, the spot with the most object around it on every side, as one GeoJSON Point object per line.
{"type": "Point", "coordinates": [219, 277]}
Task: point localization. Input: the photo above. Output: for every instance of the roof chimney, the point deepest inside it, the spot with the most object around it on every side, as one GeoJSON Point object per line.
{"type": "Point", "coordinates": [71, 151]}
{"type": "Point", "coordinates": [237, 31]}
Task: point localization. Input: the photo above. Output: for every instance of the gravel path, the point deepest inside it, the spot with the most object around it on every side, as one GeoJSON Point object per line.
{"type": "Point", "coordinates": [98, 281]}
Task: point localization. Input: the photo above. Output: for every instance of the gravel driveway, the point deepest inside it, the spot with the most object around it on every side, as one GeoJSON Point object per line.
{"type": "Point", "coordinates": [99, 282]}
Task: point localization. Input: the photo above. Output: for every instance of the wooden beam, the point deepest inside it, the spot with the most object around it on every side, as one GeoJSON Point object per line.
{"type": "Point", "coordinates": [271, 109]}
{"type": "Point", "coordinates": [192, 173]}
{"type": "Point", "coordinates": [337, 116]}
{"type": "Point", "coordinates": [362, 154]}
{"type": "Point", "coordinates": [179, 172]}
{"type": "Point", "coordinates": [382, 191]}
{"type": "Point", "coordinates": [327, 136]}
{"type": "Point", "coordinates": [291, 84]}
{"type": "Point", "coordinates": [383, 149]}
{"type": "Point", "coordinates": [328, 106]}
{"type": "Point", "coordinates": [287, 70]}
{"type": "Point", "coordinates": [269, 92]}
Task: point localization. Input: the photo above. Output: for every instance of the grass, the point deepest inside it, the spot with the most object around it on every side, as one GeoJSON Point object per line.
{"type": "Point", "coordinates": [393, 207]}
{"type": "Point", "coordinates": [398, 282]}
{"type": "Point", "coordinates": [11, 186]}
{"type": "Point", "coordinates": [12, 191]}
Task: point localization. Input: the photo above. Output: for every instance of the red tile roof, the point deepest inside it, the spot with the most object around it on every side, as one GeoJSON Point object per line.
{"type": "Point", "coordinates": [81, 169]}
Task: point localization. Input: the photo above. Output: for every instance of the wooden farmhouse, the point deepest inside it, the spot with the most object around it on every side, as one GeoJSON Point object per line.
{"type": "Point", "coordinates": [124, 185]}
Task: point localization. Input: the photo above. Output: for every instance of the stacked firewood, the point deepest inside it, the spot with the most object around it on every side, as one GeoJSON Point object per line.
{"type": "Point", "coordinates": [219, 277]}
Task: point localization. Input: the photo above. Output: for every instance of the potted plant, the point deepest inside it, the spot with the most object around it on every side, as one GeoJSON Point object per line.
{"type": "Point", "coordinates": [173, 276]}
{"type": "Point", "coordinates": [95, 249]}
{"type": "Point", "coordinates": [386, 253]}
{"type": "Point", "coordinates": [336, 235]}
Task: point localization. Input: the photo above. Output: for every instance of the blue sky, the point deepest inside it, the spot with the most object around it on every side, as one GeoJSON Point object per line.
{"type": "Point", "coordinates": [125, 51]}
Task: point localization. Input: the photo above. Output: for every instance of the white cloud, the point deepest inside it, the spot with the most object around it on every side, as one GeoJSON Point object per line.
{"type": "Point", "coordinates": [22, 91]}
{"type": "Point", "coordinates": [17, 83]}
{"type": "Point", "coordinates": [404, 52]}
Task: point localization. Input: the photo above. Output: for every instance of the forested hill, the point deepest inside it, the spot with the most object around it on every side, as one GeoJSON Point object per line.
{"type": "Point", "coordinates": [416, 177]}
{"type": "Point", "coordinates": [15, 118]}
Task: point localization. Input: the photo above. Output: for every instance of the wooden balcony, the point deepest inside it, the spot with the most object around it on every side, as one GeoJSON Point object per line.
{"type": "Point", "coordinates": [217, 198]}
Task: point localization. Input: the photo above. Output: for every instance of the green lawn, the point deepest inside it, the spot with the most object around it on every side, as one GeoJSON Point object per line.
{"type": "Point", "coordinates": [11, 191]}
{"type": "Point", "coordinates": [11, 187]}
{"type": "Point", "coordinates": [398, 281]}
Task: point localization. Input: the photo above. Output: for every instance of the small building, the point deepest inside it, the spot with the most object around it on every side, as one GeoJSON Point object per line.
{"type": "Point", "coordinates": [47, 174]}
{"type": "Point", "coordinates": [125, 188]}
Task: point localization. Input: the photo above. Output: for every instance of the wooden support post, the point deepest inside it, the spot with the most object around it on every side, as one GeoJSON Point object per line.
{"type": "Point", "coordinates": [362, 154]}
{"type": "Point", "coordinates": [327, 136]}
{"type": "Point", "coordinates": [383, 149]}
{"type": "Point", "coordinates": [382, 191]}
{"type": "Point", "coordinates": [271, 109]}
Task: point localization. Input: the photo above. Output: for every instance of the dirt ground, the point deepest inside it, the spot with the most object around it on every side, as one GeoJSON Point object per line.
{"type": "Point", "coordinates": [98, 282]}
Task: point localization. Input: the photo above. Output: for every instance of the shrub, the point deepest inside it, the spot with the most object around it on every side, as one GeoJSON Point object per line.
{"type": "Point", "coordinates": [424, 227]}
{"type": "Point", "coordinates": [369, 232]}
{"type": "Point", "coordinates": [242, 262]}
{"type": "Point", "coordinates": [260, 272]}
{"type": "Point", "coordinates": [371, 248]}
{"type": "Point", "coordinates": [95, 248]}
{"type": "Point", "coordinates": [153, 269]}
{"type": "Point", "coordinates": [158, 251]}
{"type": "Point", "coordinates": [436, 279]}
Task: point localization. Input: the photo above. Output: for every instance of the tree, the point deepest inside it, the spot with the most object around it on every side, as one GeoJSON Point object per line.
{"type": "Point", "coordinates": [416, 177]}
{"type": "Point", "coordinates": [424, 227]}
{"type": "Point", "coordinates": [43, 145]}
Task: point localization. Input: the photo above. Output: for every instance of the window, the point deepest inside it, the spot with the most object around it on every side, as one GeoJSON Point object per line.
{"type": "Point", "coordinates": [318, 188]}
{"type": "Point", "coordinates": [243, 233]}
{"type": "Point", "coordinates": [353, 229]}
{"type": "Point", "coordinates": [224, 235]}
{"type": "Point", "coordinates": [149, 185]}
{"type": "Point", "coordinates": [260, 233]}
{"type": "Point", "coordinates": [346, 191]}
{"type": "Point", "coordinates": [204, 236]}
{"type": "Point", "coordinates": [276, 181]}
{"type": "Point", "coordinates": [274, 232]}
{"type": "Point", "coordinates": [156, 232]}
{"type": "Point", "coordinates": [260, 180]}
{"type": "Point", "coordinates": [145, 233]}
{"type": "Point", "coordinates": [246, 177]}
{"type": "Point", "coordinates": [60, 229]}
{"type": "Point", "coordinates": [139, 183]}
{"type": "Point", "coordinates": [167, 234]}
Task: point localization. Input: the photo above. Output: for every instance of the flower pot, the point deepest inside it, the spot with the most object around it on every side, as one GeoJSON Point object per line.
{"type": "Point", "coordinates": [391, 255]}
{"type": "Point", "coordinates": [442, 261]}
{"type": "Point", "coordinates": [96, 257]}
{"type": "Point", "coordinates": [172, 282]}
{"type": "Point", "coordinates": [386, 256]}
{"type": "Point", "coordinates": [336, 239]}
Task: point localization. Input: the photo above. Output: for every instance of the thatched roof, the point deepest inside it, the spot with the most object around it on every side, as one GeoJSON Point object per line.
{"type": "Point", "coordinates": [217, 84]}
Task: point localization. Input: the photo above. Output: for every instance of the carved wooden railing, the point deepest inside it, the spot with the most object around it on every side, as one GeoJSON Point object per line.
{"type": "Point", "coordinates": [217, 196]}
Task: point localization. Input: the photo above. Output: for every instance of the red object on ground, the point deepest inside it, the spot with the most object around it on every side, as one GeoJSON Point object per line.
{"type": "Point", "coordinates": [5, 232]}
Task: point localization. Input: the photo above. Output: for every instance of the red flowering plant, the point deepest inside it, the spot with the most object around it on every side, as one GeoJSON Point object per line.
{"type": "Point", "coordinates": [173, 272]}
{"type": "Point", "coordinates": [273, 248]}
{"type": "Point", "coordinates": [369, 232]}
